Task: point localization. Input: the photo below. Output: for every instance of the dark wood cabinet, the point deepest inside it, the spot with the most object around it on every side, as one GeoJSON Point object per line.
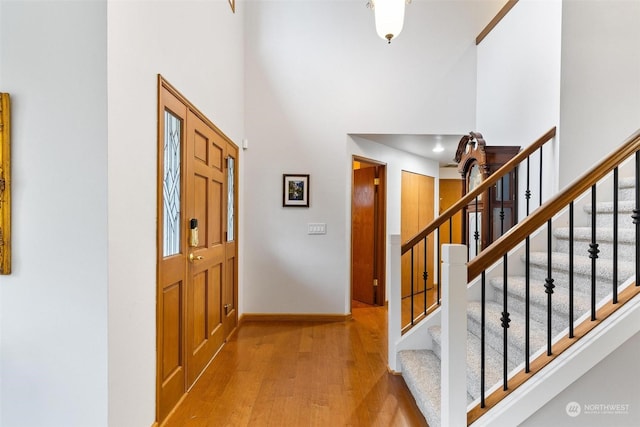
{"type": "Point", "coordinates": [495, 211]}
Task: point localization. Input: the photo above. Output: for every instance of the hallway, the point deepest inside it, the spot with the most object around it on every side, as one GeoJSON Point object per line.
{"type": "Point", "coordinates": [302, 374]}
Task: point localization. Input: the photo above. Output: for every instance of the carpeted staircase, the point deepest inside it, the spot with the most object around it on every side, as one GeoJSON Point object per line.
{"type": "Point", "coordinates": [421, 368]}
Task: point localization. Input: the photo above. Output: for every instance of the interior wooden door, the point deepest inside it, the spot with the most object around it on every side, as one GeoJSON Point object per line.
{"type": "Point", "coordinates": [363, 234]}
{"type": "Point", "coordinates": [205, 203]}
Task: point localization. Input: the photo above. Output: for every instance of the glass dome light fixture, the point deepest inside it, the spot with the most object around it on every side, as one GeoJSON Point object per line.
{"type": "Point", "coordinates": [389, 17]}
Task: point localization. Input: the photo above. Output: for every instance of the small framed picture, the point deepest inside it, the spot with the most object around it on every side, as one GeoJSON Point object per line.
{"type": "Point", "coordinates": [295, 190]}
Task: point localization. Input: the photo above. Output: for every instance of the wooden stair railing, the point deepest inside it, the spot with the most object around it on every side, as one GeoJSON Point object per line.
{"type": "Point", "coordinates": [545, 212]}
{"type": "Point", "coordinates": [543, 215]}
{"type": "Point", "coordinates": [479, 190]}
{"type": "Point", "coordinates": [421, 237]}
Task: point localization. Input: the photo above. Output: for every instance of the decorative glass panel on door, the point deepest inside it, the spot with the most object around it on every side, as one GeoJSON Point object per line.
{"type": "Point", "coordinates": [230, 198]}
{"type": "Point", "coordinates": [171, 184]}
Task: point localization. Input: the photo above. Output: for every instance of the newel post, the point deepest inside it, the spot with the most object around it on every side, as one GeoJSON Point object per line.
{"type": "Point", "coordinates": [454, 336]}
{"type": "Point", "coordinates": [395, 301]}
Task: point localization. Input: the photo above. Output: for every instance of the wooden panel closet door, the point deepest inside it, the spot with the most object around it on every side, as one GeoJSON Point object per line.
{"type": "Point", "coordinates": [416, 212]}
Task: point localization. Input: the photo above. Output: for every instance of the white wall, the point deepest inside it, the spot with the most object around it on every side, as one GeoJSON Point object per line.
{"type": "Point", "coordinates": [519, 85]}
{"type": "Point", "coordinates": [600, 104]}
{"type": "Point", "coordinates": [606, 384]}
{"type": "Point", "coordinates": [53, 307]}
{"type": "Point", "coordinates": [450, 173]}
{"type": "Point", "coordinates": [315, 72]}
{"type": "Point", "coordinates": [198, 47]}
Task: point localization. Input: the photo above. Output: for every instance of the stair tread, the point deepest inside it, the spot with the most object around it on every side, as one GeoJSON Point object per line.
{"type": "Point", "coordinates": [624, 206]}
{"type": "Point", "coordinates": [626, 182]}
{"type": "Point", "coordinates": [421, 373]}
{"type": "Point", "coordinates": [560, 298]}
{"type": "Point", "coordinates": [517, 328]}
{"type": "Point", "coordinates": [582, 264]}
{"type": "Point", "coordinates": [603, 234]}
{"type": "Point", "coordinates": [493, 362]}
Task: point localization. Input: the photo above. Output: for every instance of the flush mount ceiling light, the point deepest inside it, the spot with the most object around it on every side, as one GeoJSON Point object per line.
{"type": "Point", "coordinates": [389, 16]}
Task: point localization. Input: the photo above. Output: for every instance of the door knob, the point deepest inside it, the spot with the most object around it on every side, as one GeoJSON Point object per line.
{"type": "Point", "coordinates": [193, 257]}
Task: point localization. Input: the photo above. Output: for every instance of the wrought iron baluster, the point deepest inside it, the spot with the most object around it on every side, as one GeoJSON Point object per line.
{"type": "Point", "coordinates": [439, 266]}
{"type": "Point", "coordinates": [548, 286]}
{"type": "Point", "coordinates": [482, 339]}
{"type": "Point", "coordinates": [593, 252]}
{"type": "Point", "coordinates": [636, 217]}
{"type": "Point", "coordinates": [476, 233]}
{"type": "Point", "coordinates": [571, 332]}
{"type": "Point", "coordinates": [502, 206]}
{"type": "Point", "coordinates": [527, 193]}
{"type": "Point", "coordinates": [505, 320]}
{"type": "Point", "coordinates": [527, 280]}
{"type": "Point", "coordinates": [540, 189]}
{"type": "Point", "coordinates": [527, 299]}
{"type": "Point", "coordinates": [615, 235]}
{"type": "Point", "coordinates": [412, 290]}
{"type": "Point", "coordinates": [425, 276]}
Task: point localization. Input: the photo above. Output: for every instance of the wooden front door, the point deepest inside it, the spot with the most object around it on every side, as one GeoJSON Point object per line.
{"type": "Point", "coordinates": [197, 253]}
{"type": "Point", "coordinates": [205, 176]}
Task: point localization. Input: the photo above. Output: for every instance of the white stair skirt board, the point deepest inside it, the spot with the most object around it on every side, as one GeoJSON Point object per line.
{"type": "Point", "coordinates": [421, 368]}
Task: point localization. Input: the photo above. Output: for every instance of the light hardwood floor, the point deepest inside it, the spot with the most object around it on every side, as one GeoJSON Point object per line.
{"type": "Point", "coordinates": [302, 374]}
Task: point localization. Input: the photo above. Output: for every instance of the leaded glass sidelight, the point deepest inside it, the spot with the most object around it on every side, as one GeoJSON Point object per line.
{"type": "Point", "coordinates": [230, 197]}
{"type": "Point", "coordinates": [171, 185]}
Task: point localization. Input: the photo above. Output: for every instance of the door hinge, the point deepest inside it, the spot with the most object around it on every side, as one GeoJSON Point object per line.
{"type": "Point", "coordinates": [375, 283]}
{"type": "Point", "coordinates": [376, 181]}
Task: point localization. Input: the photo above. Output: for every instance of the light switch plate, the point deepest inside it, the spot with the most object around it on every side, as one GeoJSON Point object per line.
{"type": "Point", "coordinates": [317, 228]}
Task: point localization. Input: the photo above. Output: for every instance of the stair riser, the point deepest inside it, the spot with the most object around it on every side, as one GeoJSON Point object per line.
{"type": "Point", "coordinates": [581, 282]}
{"type": "Point", "coordinates": [559, 319]}
{"type": "Point", "coordinates": [493, 366]}
{"type": "Point", "coordinates": [626, 251]}
{"type": "Point", "coordinates": [628, 193]}
{"type": "Point", "coordinates": [494, 338]}
{"type": "Point", "coordinates": [605, 219]}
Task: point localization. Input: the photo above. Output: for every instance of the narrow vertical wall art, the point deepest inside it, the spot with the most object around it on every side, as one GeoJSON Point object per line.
{"type": "Point", "coordinates": [5, 184]}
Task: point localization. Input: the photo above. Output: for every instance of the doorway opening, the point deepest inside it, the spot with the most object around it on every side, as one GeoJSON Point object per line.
{"type": "Point", "coordinates": [368, 232]}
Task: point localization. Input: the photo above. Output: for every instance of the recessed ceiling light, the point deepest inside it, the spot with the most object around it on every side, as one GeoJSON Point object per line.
{"type": "Point", "coordinates": [438, 148]}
